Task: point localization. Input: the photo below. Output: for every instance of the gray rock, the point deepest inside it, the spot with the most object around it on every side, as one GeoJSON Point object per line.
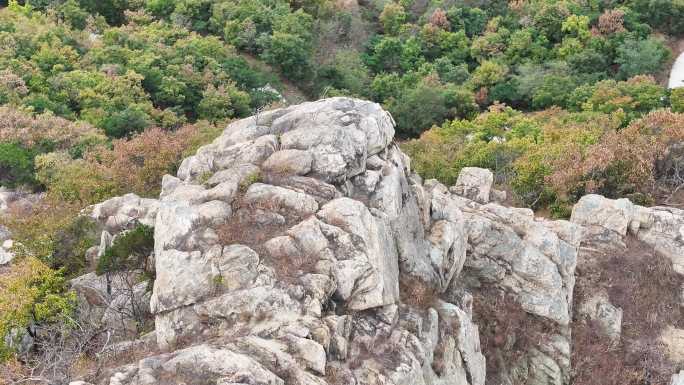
{"type": "Point", "coordinates": [609, 317]}
{"type": "Point", "coordinates": [6, 256]}
{"type": "Point", "coordinates": [474, 183]}
{"type": "Point", "coordinates": [281, 200]}
{"type": "Point", "coordinates": [19, 340]}
{"type": "Point", "coordinates": [615, 215]}
{"type": "Point", "coordinates": [286, 162]}
{"type": "Point", "coordinates": [340, 221]}
{"type": "Point", "coordinates": [660, 227]}
{"type": "Point", "coordinates": [118, 303]}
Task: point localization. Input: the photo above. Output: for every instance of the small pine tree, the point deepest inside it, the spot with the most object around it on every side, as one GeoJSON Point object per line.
{"type": "Point", "coordinates": [129, 251]}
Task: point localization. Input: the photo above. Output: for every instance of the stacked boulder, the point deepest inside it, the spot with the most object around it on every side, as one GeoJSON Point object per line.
{"type": "Point", "coordinates": [300, 248]}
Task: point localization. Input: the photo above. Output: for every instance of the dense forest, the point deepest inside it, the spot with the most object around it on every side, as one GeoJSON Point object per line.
{"type": "Point", "coordinates": [103, 97]}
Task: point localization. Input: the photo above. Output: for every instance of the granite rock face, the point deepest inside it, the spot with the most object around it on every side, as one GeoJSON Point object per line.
{"type": "Point", "coordinates": [625, 231]}
{"type": "Point", "coordinates": [300, 248]}
{"type": "Point", "coordinates": [283, 253]}
{"type": "Point", "coordinates": [530, 262]}
{"type": "Point", "coordinates": [660, 227]}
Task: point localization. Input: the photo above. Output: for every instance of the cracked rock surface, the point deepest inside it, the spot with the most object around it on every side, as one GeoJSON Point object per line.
{"type": "Point", "coordinates": [300, 248]}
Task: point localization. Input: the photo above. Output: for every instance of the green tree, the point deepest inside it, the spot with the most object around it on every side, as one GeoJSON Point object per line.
{"type": "Point", "coordinates": [16, 165]}
{"type": "Point", "coordinates": [128, 252]}
{"type": "Point", "coordinates": [393, 16]}
{"type": "Point", "coordinates": [223, 102]}
{"type": "Point", "coordinates": [677, 100]}
{"type": "Point", "coordinates": [290, 53]}
{"type": "Point", "coordinates": [637, 57]}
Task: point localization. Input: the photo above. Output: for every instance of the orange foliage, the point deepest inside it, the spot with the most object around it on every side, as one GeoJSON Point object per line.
{"type": "Point", "coordinates": [611, 21]}
{"type": "Point", "coordinates": [138, 164]}
{"type": "Point", "coordinates": [634, 150]}
{"type": "Point", "coordinates": [17, 126]}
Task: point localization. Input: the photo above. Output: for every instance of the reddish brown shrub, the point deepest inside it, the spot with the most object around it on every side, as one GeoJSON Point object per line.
{"type": "Point", "coordinates": [611, 21]}
{"type": "Point", "coordinates": [416, 293]}
{"type": "Point", "coordinates": [18, 126]}
{"type": "Point", "coordinates": [622, 159]}
{"type": "Point", "coordinates": [439, 19]}
{"type": "Point", "coordinates": [138, 164]}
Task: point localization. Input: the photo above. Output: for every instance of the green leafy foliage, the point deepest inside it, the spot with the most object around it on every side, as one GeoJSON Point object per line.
{"type": "Point", "coordinates": [128, 252]}
{"type": "Point", "coordinates": [16, 165]}
{"type": "Point", "coordinates": [126, 78]}
{"type": "Point", "coordinates": [71, 244]}
{"type": "Point", "coordinates": [31, 292]}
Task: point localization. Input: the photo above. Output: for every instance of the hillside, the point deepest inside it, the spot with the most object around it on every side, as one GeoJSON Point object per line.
{"type": "Point", "coordinates": [476, 192]}
{"type": "Point", "coordinates": [299, 248]}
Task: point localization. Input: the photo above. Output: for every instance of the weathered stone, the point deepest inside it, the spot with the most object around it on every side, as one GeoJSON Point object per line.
{"type": "Point", "coordinates": [6, 256]}
{"type": "Point", "coordinates": [121, 213]}
{"type": "Point", "coordinates": [379, 270]}
{"type": "Point", "coordinates": [320, 291]}
{"type": "Point", "coordinates": [285, 162]}
{"type": "Point", "coordinates": [673, 341]}
{"type": "Point", "coordinates": [281, 200]}
{"type": "Point", "coordinates": [598, 308]}
{"type": "Point", "coordinates": [596, 210]}
{"type": "Point", "coordinates": [474, 183]}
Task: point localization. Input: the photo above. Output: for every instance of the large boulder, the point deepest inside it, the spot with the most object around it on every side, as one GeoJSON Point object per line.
{"type": "Point", "coordinates": [474, 183]}
{"type": "Point", "coordinates": [513, 256]}
{"type": "Point", "coordinates": [280, 252]}
{"type": "Point", "coordinates": [595, 210]}
{"type": "Point", "coordinates": [119, 303]}
{"type": "Point", "coordinates": [300, 248]}
{"type": "Point", "coordinates": [659, 227]}
{"type": "Point", "coordinates": [6, 256]}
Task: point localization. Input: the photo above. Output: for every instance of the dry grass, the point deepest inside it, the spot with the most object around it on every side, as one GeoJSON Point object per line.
{"type": "Point", "coordinates": [644, 285]}
{"type": "Point", "coordinates": [507, 331]}
{"type": "Point", "coordinates": [416, 293]}
{"type": "Point", "coordinates": [246, 227]}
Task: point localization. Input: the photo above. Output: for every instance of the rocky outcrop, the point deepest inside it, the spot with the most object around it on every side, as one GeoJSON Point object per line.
{"type": "Point", "coordinates": [660, 227]}
{"type": "Point", "coordinates": [635, 255]}
{"type": "Point", "coordinates": [530, 261]}
{"type": "Point", "coordinates": [474, 183]}
{"type": "Point", "coordinates": [17, 199]}
{"type": "Point", "coordinates": [284, 253]}
{"type": "Point", "coordinates": [300, 248]}
{"type": "Point", "coordinates": [6, 254]}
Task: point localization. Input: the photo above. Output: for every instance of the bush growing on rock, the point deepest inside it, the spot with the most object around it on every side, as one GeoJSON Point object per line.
{"type": "Point", "coordinates": [533, 155]}
{"type": "Point", "coordinates": [128, 252]}
{"type": "Point", "coordinates": [71, 244]}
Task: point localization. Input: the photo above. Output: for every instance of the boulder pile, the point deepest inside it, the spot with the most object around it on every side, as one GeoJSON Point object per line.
{"type": "Point", "coordinates": [300, 248]}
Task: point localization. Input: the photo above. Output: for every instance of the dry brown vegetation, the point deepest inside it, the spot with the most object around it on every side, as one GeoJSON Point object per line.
{"type": "Point", "coordinates": [644, 285]}
{"type": "Point", "coordinates": [507, 331]}
{"type": "Point", "coordinates": [416, 293]}
{"type": "Point", "coordinates": [248, 227]}
{"type": "Point", "coordinates": [630, 158]}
